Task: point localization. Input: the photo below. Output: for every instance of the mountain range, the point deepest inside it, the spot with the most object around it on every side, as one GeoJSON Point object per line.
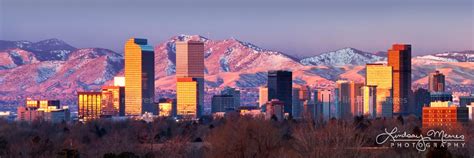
{"type": "Point", "coordinates": [54, 69]}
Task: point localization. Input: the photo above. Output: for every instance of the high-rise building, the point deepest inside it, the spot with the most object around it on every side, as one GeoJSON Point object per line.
{"type": "Point", "coordinates": [140, 77]}
{"type": "Point", "coordinates": [370, 101]}
{"type": "Point", "coordinates": [280, 87]}
{"type": "Point", "coordinates": [187, 97]}
{"type": "Point", "coordinates": [344, 98]}
{"type": "Point", "coordinates": [235, 95]}
{"type": "Point", "coordinates": [442, 113]}
{"type": "Point", "coordinates": [422, 99]}
{"type": "Point", "coordinates": [325, 104]}
{"type": "Point", "coordinates": [262, 96]}
{"type": "Point", "coordinates": [296, 103]}
{"type": "Point", "coordinates": [436, 82]}
{"type": "Point", "coordinates": [356, 98]}
{"type": "Point", "coordinates": [380, 75]}
{"type": "Point", "coordinates": [223, 103]}
{"type": "Point", "coordinates": [399, 58]}
{"type": "Point", "coordinates": [165, 107]}
{"type": "Point", "coordinates": [113, 101]}
{"type": "Point", "coordinates": [89, 105]}
{"type": "Point", "coordinates": [300, 100]}
{"type": "Point", "coordinates": [349, 92]}
{"type": "Point", "coordinates": [190, 64]}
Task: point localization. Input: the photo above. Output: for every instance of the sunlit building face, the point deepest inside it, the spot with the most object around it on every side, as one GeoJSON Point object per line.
{"type": "Point", "coordinates": [187, 97]}
{"type": "Point", "coordinates": [190, 64]}
{"type": "Point", "coordinates": [380, 75]}
{"type": "Point", "coordinates": [139, 74]}
{"type": "Point", "coordinates": [112, 100]}
{"type": "Point", "coordinates": [89, 105]}
{"type": "Point", "coordinates": [399, 57]}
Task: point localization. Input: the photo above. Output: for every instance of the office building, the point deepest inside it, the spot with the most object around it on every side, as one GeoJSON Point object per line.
{"type": "Point", "coordinates": [275, 109]}
{"type": "Point", "coordinates": [441, 99]}
{"type": "Point", "coordinates": [370, 101]}
{"type": "Point", "coordinates": [300, 100]}
{"type": "Point", "coordinates": [344, 98]}
{"type": "Point", "coordinates": [444, 116]}
{"type": "Point", "coordinates": [165, 107]}
{"type": "Point", "coordinates": [325, 104]}
{"type": "Point", "coordinates": [113, 101]}
{"type": "Point", "coordinates": [187, 97]}
{"type": "Point", "coordinates": [356, 102]}
{"type": "Point", "coordinates": [235, 95]}
{"type": "Point", "coordinates": [140, 77]}
{"type": "Point", "coordinates": [422, 99]}
{"type": "Point", "coordinates": [89, 105]}
{"type": "Point", "coordinates": [280, 87]}
{"type": "Point", "coordinates": [222, 103]}
{"type": "Point", "coordinates": [297, 105]}
{"type": "Point", "coordinates": [380, 75]}
{"type": "Point", "coordinates": [45, 105]}
{"type": "Point", "coordinates": [262, 96]}
{"type": "Point", "coordinates": [190, 64]}
{"type": "Point", "coordinates": [436, 82]}
{"type": "Point", "coordinates": [399, 58]}
{"type": "Point", "coordinates": [44, 110]}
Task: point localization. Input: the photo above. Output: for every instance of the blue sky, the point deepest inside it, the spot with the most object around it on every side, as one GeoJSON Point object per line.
{"type": "Point", "coordinates": [298, 27]}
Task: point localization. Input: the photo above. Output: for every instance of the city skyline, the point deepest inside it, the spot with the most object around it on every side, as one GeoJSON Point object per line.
{"type": "Point", "coordinates": [273, 25]}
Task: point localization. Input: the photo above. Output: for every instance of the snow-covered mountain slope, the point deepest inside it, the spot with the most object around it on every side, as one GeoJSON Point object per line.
{"type": "Point", "coordinates": [346, 56]}
{"type": "Point", "coordinates": [45, 50]}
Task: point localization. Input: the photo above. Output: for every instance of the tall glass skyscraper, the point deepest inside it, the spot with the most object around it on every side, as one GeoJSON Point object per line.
{"type": "Point", "coordinates": [280, 87]}
{"type": "Point", "coordinates": [399, 57]}
{"type": "Point", "coordinates": [190, 64]}
{"type": "Point", "coordinates": [139, 77]}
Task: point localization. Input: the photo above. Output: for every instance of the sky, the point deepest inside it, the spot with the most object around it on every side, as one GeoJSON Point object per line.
{"type": "Point", "coordinates": [295, 27]}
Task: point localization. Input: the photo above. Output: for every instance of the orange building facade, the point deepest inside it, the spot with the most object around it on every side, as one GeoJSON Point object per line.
{"type": "Point", "coordinates": [444, 116]}
{"type": "Point", "coordinates": [399, 57]}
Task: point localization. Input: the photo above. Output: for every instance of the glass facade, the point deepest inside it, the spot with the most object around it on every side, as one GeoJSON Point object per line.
{"type": "Point", "coordinates": [139, 77]}
{"type": "Point", "coordinates": [89, 105]}
{"type": "Point", "coordinates": [399, 57]}
{"type": "Point", "coordinates": [381, 76]}
{"type": "Point", "coordinates": [187, 97]}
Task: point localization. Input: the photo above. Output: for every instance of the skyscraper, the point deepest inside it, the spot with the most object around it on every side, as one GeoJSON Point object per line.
{"type": "Point", "coordinates": [399, 57]}
{"type": "Point", "coordinates": [349, 93]}
{"type": "Point", "coordinates": [325, 104]}
{"type": "Point", "coordinates": [262, 96]}
{"type": "Point", "coordinates": [436, 82]}
{"type": "Point", "coordinates": [280, 87]}
{"type": "Point", "coordinates": [187, 97]}
{"type": "Point", "coordinates": [222, 103]}
{"type": "Point", "coordinates": [370, 101]}
{"type": "Point", "coordinates": [356, 98]}
{"type": "Point", "coordinates": [380, 75]}
{"type": "Point", "coordinates": [140, 77]}
{"type": "Point", "coordinates": [296, 103]}
{"type": "Point", "coordinates": [422, 99]}
{"type": "Point", "coordinates": [190, 64]}
{"type": "Point", "coordinates": [235, 93]}
{"type": "Point", "coordinates": [343, 98]}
